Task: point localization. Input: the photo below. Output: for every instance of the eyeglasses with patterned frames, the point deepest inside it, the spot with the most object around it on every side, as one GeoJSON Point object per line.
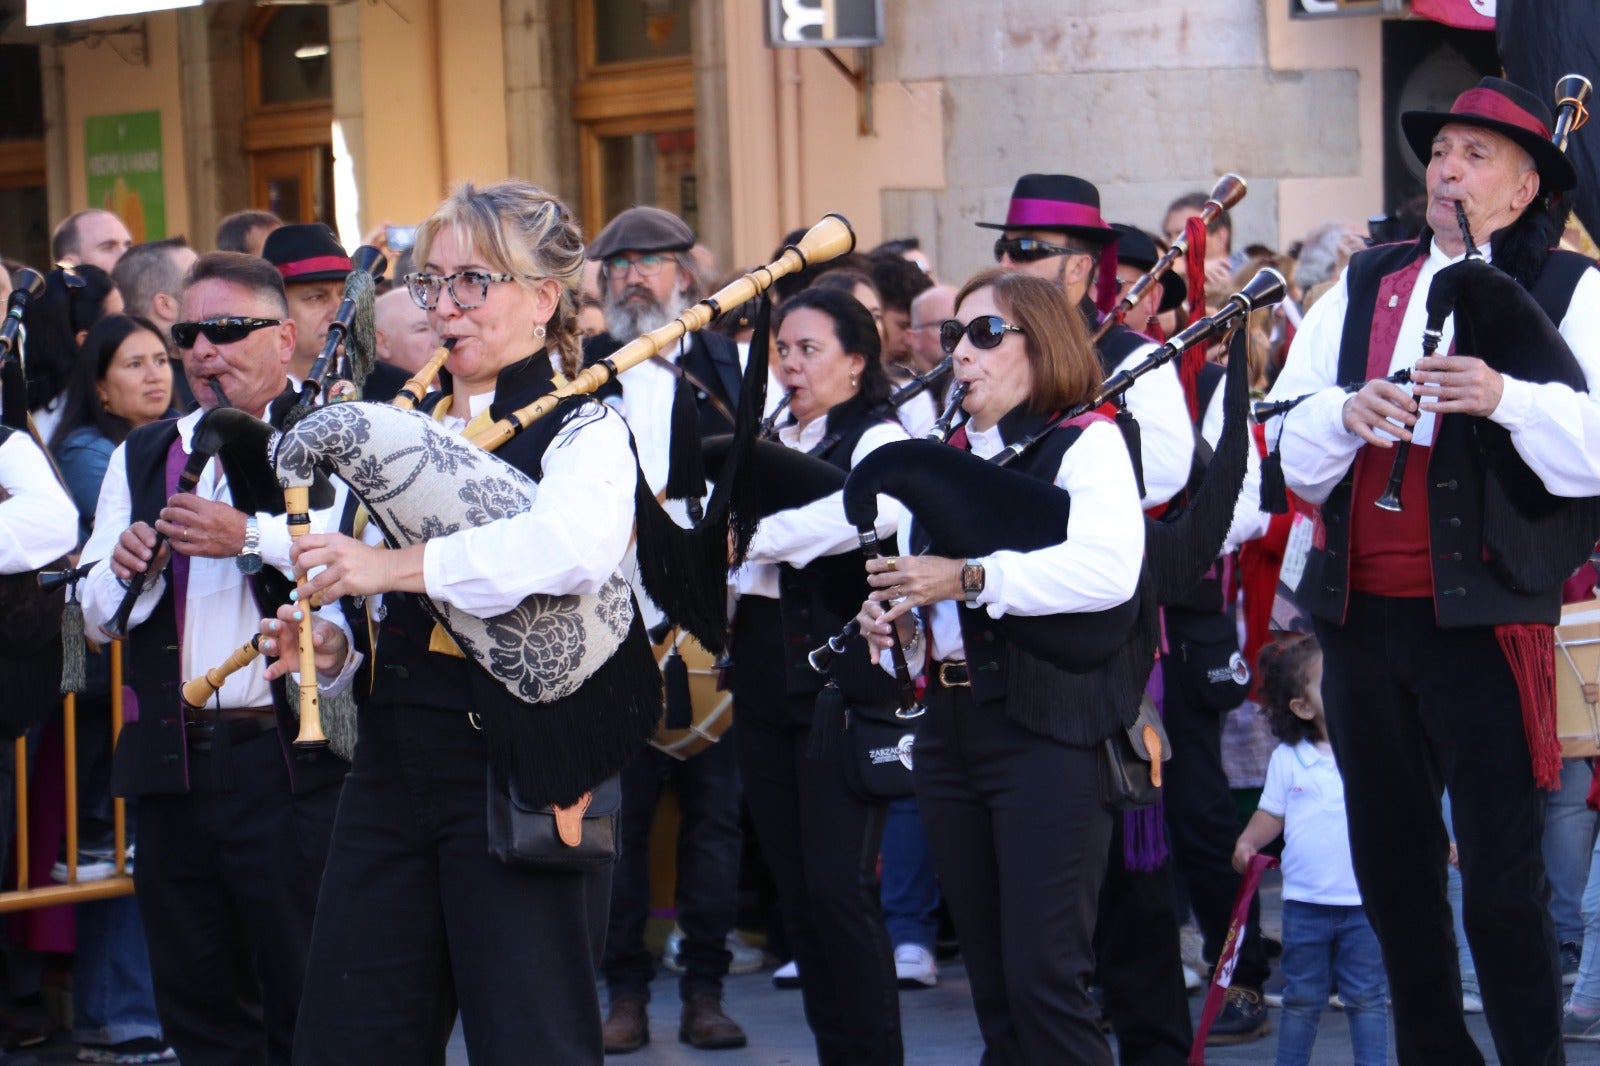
{"type": "Point", "coordinates": [468, 288]}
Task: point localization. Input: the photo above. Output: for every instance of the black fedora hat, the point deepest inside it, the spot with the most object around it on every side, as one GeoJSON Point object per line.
{"type": "Point", "coordinates": [1137, 248]}
{"type": "Point", "coordinates": [1507, 109]}
{"type": "Point", "coordinates": [306, 252]}
{"type": "Point", "coordinates": [1057, 202]}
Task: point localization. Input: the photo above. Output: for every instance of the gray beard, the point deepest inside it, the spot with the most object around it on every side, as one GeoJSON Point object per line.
{"type": "Point", "coordinates": [627, 319]}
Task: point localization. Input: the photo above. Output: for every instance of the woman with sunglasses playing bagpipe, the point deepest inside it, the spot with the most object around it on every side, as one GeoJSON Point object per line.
{"type": "Point", "coordinates": [818, 835]}
{"type": "Point", "coordinates": [430, 905]}
{"type": "Point", "coordinates": [1007, 772]}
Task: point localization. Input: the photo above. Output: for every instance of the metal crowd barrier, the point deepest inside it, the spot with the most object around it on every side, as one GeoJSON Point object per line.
{"type": "Point", "coordinates": [25, 896]}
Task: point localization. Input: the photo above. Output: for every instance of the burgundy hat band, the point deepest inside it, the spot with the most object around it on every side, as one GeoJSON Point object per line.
{"type": "Point", "coordinates": [315, 265]}
{"type": "Point", "coordinates": [1486, 103]}
{"type": "Point", "coordinates": [1032, 214]}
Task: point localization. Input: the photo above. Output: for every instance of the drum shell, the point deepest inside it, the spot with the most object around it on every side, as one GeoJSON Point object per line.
{"type": "Point", "coordinates": [711, 704]}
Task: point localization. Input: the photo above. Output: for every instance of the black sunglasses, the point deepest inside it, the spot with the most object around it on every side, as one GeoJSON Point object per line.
{"type": "Point", "coordinates": [219, 330]}
{"type": "Point", "coordinates": [985, 331]}
{"type": "Point", "coordinates": [1030, 249]}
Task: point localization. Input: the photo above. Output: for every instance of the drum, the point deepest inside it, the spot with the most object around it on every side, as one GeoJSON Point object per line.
{"type": "Point", "coordinates": [1578, 680]}
{"type": "Point", "coordinates": [712, 707]}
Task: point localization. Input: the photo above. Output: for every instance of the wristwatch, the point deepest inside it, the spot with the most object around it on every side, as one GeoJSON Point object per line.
{"type": "Point", "coordinates": [972, 578]}
{"type": "Point", "coordinates": [249, 557]}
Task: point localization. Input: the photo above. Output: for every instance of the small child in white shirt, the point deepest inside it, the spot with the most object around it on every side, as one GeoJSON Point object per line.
{"type": "Point", "coordinates": [1325, 932]}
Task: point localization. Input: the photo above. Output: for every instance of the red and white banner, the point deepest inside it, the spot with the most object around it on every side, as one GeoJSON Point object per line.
{"type": "Point", "coordinates": [1462, 14]}
{"type": "Point", "coordinates": [1222, 975]}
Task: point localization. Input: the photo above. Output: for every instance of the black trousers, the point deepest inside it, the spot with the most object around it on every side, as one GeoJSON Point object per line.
{"type": "Point", "coordinates": [707, 892]}
{"type": "Point", "coordinates": [418, 920]}
{"type": "Point", "coordinates": [227, 882]}
{"type": "Point", "coordinates": [1140, 965]}
{"type": "Point", "coordinates": [1412, 709]}
{"type": "Point", "coordinates": [1019, 839]}
{"type": "Point", "coordinates": [821, 843]}
{"type": "Point", "coordinates": [1203, 821]}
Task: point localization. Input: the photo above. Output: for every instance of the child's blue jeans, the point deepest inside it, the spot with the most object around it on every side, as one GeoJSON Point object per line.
{"type": "Point", "coordinates": [1323, 943]}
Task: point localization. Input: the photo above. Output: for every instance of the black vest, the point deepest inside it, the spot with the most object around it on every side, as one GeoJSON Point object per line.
{"type": "Point", "coordinates": [1079, 709]}
{"type": "Point", "coordinates": [1466, 590]}
{"type": "Point", "coordinates": [711, 358]}
{"type": "Point", "coordinates": [553, 751]}
{"type": "Point", "coordinates": [816, 600]}
{"type": "Point", "coordinates": [152, 754]}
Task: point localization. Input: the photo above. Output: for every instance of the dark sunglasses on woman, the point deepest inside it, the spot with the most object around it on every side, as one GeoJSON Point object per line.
{"type": "Point", "coordinates": [985, 331]}
{"type": "Point", "coordinates": [219, 330]}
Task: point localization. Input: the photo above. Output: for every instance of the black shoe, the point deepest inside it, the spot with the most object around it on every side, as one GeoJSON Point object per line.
{"type": "Point", "coordinates": [1571, 955]}
{"type": "Point", "coordinates": [1243, 1018]}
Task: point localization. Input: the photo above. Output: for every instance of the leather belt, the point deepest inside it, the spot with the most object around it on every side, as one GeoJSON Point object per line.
{"type": "Point", "coordinates": [952, 674]}
{"type": "Point", "coordinates": [230, 714]}
{"type": "Point", "coordinates": [238, 723]}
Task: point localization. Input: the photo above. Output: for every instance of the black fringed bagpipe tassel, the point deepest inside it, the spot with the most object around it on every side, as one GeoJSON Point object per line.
{"type": "Point", "coordinates": [686, 468]}
{"type": "Point", "coordinates": [1274, 491]}
{"type": "Point", "coordinates": [1130, 436]}
{"type": "Point", "coordinates": [827, 721]}
{"type": "Point", "coordinates": [73, 646]}
{"type": "Point", "coordinates": [675, 678]}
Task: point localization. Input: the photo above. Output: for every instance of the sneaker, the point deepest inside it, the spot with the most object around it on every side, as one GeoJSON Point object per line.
{"type": "Point", "coordinates": [1243, 1018]}
{"type": "Point", "coordinates": [138, 1050]}
{"type": "Point", "coordinates": [1584, 1027]}
{"type": "Point", "coordinates": [914, 966]}
{"type": "Point", "coordinates": [93, 865]}
{"type": "Point", "coordinates": [1192, 980]}
{"type": "Point", "coordinates": [1272, 999]}
{"type": "Point", "coordinates": [1571, 955]}
{"type": "Point", "coordinates": [786, 976]}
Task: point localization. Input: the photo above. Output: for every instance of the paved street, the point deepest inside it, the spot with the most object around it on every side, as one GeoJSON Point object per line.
{"type": "Point", "coordinates": [939, 1026]}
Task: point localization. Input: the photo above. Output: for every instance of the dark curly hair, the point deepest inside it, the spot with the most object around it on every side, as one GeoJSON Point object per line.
{"type": "Point", "coordinates": [1284, 668]}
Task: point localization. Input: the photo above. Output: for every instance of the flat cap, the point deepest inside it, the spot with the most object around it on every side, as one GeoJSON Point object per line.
{"type": "Point", "coordinates": [642, 229]}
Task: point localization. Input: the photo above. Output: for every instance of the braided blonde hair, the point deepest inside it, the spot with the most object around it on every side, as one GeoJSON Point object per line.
{"type": "Point", "coordinates": [519, 229]}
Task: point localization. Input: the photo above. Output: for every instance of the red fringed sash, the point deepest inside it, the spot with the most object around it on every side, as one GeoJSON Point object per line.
{"type": "Point", "coordinates": [1530, 651]}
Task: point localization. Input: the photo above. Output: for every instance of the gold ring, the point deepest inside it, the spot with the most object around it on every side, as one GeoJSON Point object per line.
{"type": "Point", "coordinates": [893, 562]}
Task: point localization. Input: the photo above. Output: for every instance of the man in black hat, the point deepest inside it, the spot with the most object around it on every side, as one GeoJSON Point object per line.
{"type": "Point", "coordinates": [648, 278]}
{"type": "Point", "coordinates": [314, 268]}
{"type": "Point", "coordinates": [1053, 229]}
{"type": "Point", "coordinates": [1424, 613]}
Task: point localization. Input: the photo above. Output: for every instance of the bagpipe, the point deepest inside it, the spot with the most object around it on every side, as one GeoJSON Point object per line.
{"type": "Point", "coordinates": [972, 507]}
{"type": "Point", "coordinates": [418, 481]}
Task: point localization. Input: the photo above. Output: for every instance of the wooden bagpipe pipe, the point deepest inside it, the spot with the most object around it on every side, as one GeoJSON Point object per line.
{"type": "Point", "coordinates": [972, 507]}
{"type": "Point", "coordinates": [418, 481]}
{"type": "Point", "coordinates": [1227, 192]}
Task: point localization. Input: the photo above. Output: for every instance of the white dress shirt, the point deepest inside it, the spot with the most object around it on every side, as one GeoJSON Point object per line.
{"type": "Point", "coordinates": [1166, 436]}
{"type": "Point", "coordinates": [220, 612]}
{"type": "Point", "coordinates": [1249, 520]}
{"type": "Point", "coordinates": [802, 535]}
{"type": "Point", "coordinates": [569, 542]}
{"type": "Point", "coordinates": [38, 524]}
{"type": "Point", "coordinates": [1553, 428]}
